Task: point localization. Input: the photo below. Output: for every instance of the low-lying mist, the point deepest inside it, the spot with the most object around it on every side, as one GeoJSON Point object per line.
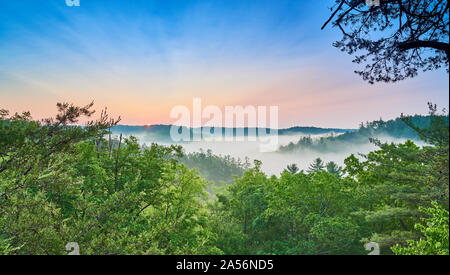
{"type": "Point", "coordinates": [273, 163]}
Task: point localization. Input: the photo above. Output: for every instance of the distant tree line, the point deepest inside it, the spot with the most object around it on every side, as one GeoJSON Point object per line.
{"type": "Point", "coordinates": [396, 128]}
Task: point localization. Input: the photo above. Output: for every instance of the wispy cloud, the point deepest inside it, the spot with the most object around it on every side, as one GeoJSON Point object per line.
{"type": "Point", "coordinates": [140, 58]}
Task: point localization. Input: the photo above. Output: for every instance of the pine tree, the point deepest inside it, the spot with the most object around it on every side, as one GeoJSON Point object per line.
{"type": "Point", "coordinates": [293, 168]}
{"type": "Point", "coordinates": [316, 166]}
{"type": "Point", "coordinates": [334, 169]}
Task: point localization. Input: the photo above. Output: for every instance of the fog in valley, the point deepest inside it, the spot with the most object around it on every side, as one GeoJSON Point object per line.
{"type": "Point", "coordinates": [273, 163]}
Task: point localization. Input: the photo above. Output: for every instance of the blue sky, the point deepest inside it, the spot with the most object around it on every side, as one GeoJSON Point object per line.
{"type": "Point", "coordinates": [140, 58]}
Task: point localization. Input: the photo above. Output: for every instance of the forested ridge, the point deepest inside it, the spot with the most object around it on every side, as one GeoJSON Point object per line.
{"type": "Point", "coordinates": [62, 183]}
{"type": "Point", "coordinates": [216, 168]}
{"type": "Point", "coordinates": [391, 129]}
{"type": "Point", "coordinates": [161, 133]}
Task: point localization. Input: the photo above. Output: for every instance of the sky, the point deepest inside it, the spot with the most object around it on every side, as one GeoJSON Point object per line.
{"type": "Point", "coordinates": [141, 58]}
